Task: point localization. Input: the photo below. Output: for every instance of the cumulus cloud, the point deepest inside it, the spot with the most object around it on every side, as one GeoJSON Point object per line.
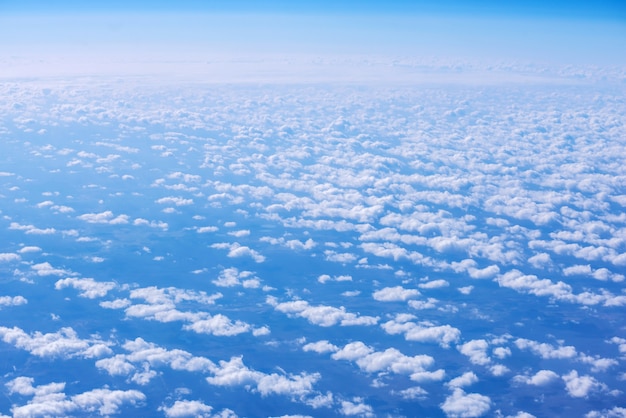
{"type": "Point", "coordinates": [460, 404]}
{"type": "Point", "coordinates": [196, 409]}
{"type": "Point", "coordinates": [49, 399]}
{"type": "Point", "coordinates": [322, 315]}
{"type": "Point", "coordinates": [580, 386]}
{"type": "Point", "coordinates": [425, 331]}
{"type": "Point", "coordinates": [394, 294]}
{"type": "Point", "coordinates": [236, 250]}
{"type": "Point", "coordinates": [64, 343]}
{"type": "Point", "coordinates": [89, 288]}
{"type": "Point", "coordinates": [106, 217]}
{"type": "Point", "coordinates": [12, 301]}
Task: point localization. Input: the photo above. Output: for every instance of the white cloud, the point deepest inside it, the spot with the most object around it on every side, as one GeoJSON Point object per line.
{"type": "Point", "coordinates": [581, 386]}
{"type": "Point", "coordinates": [434, 284]}
{"type": "Point", "coordinates": [64, 343]}
{"type": "Point", "coordinates": [394, 294]}
{"type": "Point", "coordinates": [546, 351]}
{"type": "Point", "coordinates": [46, 269]}
{"type": "Point", "coordinates": [236, 250]}
{"type": "Point", "coordinates": [444, 335]}
{"type": "Point", "coordinates": [89, 287]}
{"type": "Point", "coordinates": [106, 217]}
{"type": "Point", "coordinates": [29, 249]}
{"type": "Point", "coordinates": [194, 409]}
{"type": "Point", "coordinates": [541, 378]}
{"type": "Point", "coordinates": [356, 407]}
{"type": "Point", "coordinates": [9, 257]}
{"type": "Point", "coordinates": [463, 405]}
{"type": "Point", "coordinates": [178, 201]}
{"type": "Point", "coordinates": [320, 347]}
{"type": "Point", "coordinates": [12, 301]}
{"type": "Point", "coordinates": [49, 400]}
{"type": "Point", "coordinates": [326, 278]}
{"type": "Point", "coordinates": [466, 379]}
{"type": "Point", "coordinates": [476, 350]}
{"type": "Point", "coordinates": [322, 315]}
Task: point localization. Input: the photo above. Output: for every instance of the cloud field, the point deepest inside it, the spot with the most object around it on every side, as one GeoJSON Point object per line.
{"type": "Point", "coordinates": [453, 250]}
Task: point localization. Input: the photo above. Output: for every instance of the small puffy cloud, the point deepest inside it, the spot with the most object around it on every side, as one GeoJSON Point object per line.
{"type": "Point", "coordinates": [326, 278]}
{"type": "Point", "coordinates": [29, 249]}
{"type": "Point", "coordinates": [434, 284]}
{"type": "Point", "coordinates": [395, 294]}
{"type": "Point", "coordinates": [46, 269]}
{"type": "Point", "coordinates": [178, 201]}
{"type": "Point", "coordinates": [462, 405]}
{"type": "Point", "coordinates": [466, 379]}
{"type": "Point", "coordinates": [12, 301]}
{"type": "Point", "coordinates": [541, 378]}
{"type": "Point", "coordinates": [89, 287]}
{"type": "Point", "coordinates": [206, 229]}
{"type": "Point", "coordinates": [320, 347]}
{"type": "Point", "coordinates": [32, 230]}
{"type": "Point", "coordinates": [476, 350]}
{"type": "Point", "coordinates": [580, 386]}
{"type": "Point", "coordinates": [444, 335]}
{"type": "Point", "coordinates": [64, 343]}
{"type": "Point", "coordinates": [231, 277]}
{"type": "Point", "coordinates": [546, 351]}
{"type": "Point", "coordinates": [236, 250]}
{"type": "Point", "coordinates": [356, 407]}
{"type": "Point", "coordinates": [322, 315]}
{"type": "Point", "coordinates": [49, 400]}
{"type": "Point", "coordinates": [9, 257]}
{"type": "Point", "coordinates": [106, 217]}
{"type": "Point", "coordinates": [195, 409]}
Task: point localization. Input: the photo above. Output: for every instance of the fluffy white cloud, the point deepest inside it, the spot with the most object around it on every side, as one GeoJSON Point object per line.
{"type": "Point", "coordinates": [580, 386]}
{"type": "Point", "coordinates": [12, 301]}
{"type": "Point", "coordinates": [106, 217]}
{"type": "Point", "coordinates": [424, 331]}
{"type": "Point", "coordinates": [89, 288]}
{"type": "Point", "coordinates": [393, 294]}
{"type": "Point", "coordinates": [322, 315]}
{"type": "Point", "coordinates": [236, 250]}
{"type": "Point", "coordinates": [64, 343]}
{"type": "Point", "coordinates": [194, 409]}
{"type": "Point", "coordinates": [463, 405]}
{"type": "Point", "coordinates": [49, 400]}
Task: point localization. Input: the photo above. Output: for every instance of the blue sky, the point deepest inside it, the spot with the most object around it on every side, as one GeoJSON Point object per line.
{"type": "Point", "coordinates": [532, 31]}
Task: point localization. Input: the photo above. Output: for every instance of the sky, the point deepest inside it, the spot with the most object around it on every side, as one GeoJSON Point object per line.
{"type": "Point", "coordinates": [590, 33]}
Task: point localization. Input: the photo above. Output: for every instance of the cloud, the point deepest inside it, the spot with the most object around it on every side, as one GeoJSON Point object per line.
{"type": "Point", "coordinates": [356, 407]}
{"type": "Point", "coordinates": [49, 400]}
{"type": "Point", "coordinates": [46, 269]}
{"type": "Point", "coordinates": [231, 277]}
{"type": "Point", "coordinates": [12, 301]}
{"type": "Point", "coordinates": [444, 335]}
{"type": "Point", "coordinates": [89, 287]}
{"type": "Point", "coordinates": [320, 347]}
{"type": "Point", "coordinates": [64, 343]}
{"type": "Point", "coordinates": [325, 316]}
{"type": "Point", "coordinates": [236, 250]}
{"type": "Point", "coordinates": [476, 350]}
{"type": "Point", "coordinates": [434, 284]}
{"type": "Point", "coordinates": [546, 351]}
{"type": "Point", "coordinates": [32, 230]}
{"type": "Point", "coordinates": [195, 409]}
{"type": "Point", "coordinates": [463, 405]}
{"type": "Point", "coordinates": [394, 294]}
{"type": "Point", "coordinates": [9, 257]}
{"type": "Point", "coordinates": [106, 217]}
{"type": "Point", "coordinates": [466, 379]}
{"type": "Point", "coordinates": [178, 201]}
{"type": "Point", "coordinates": [326, 278]}
{"type": "Point", "coordinates": [581, 386]}
{"type": "Point", "coordinates": [541, 378]}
